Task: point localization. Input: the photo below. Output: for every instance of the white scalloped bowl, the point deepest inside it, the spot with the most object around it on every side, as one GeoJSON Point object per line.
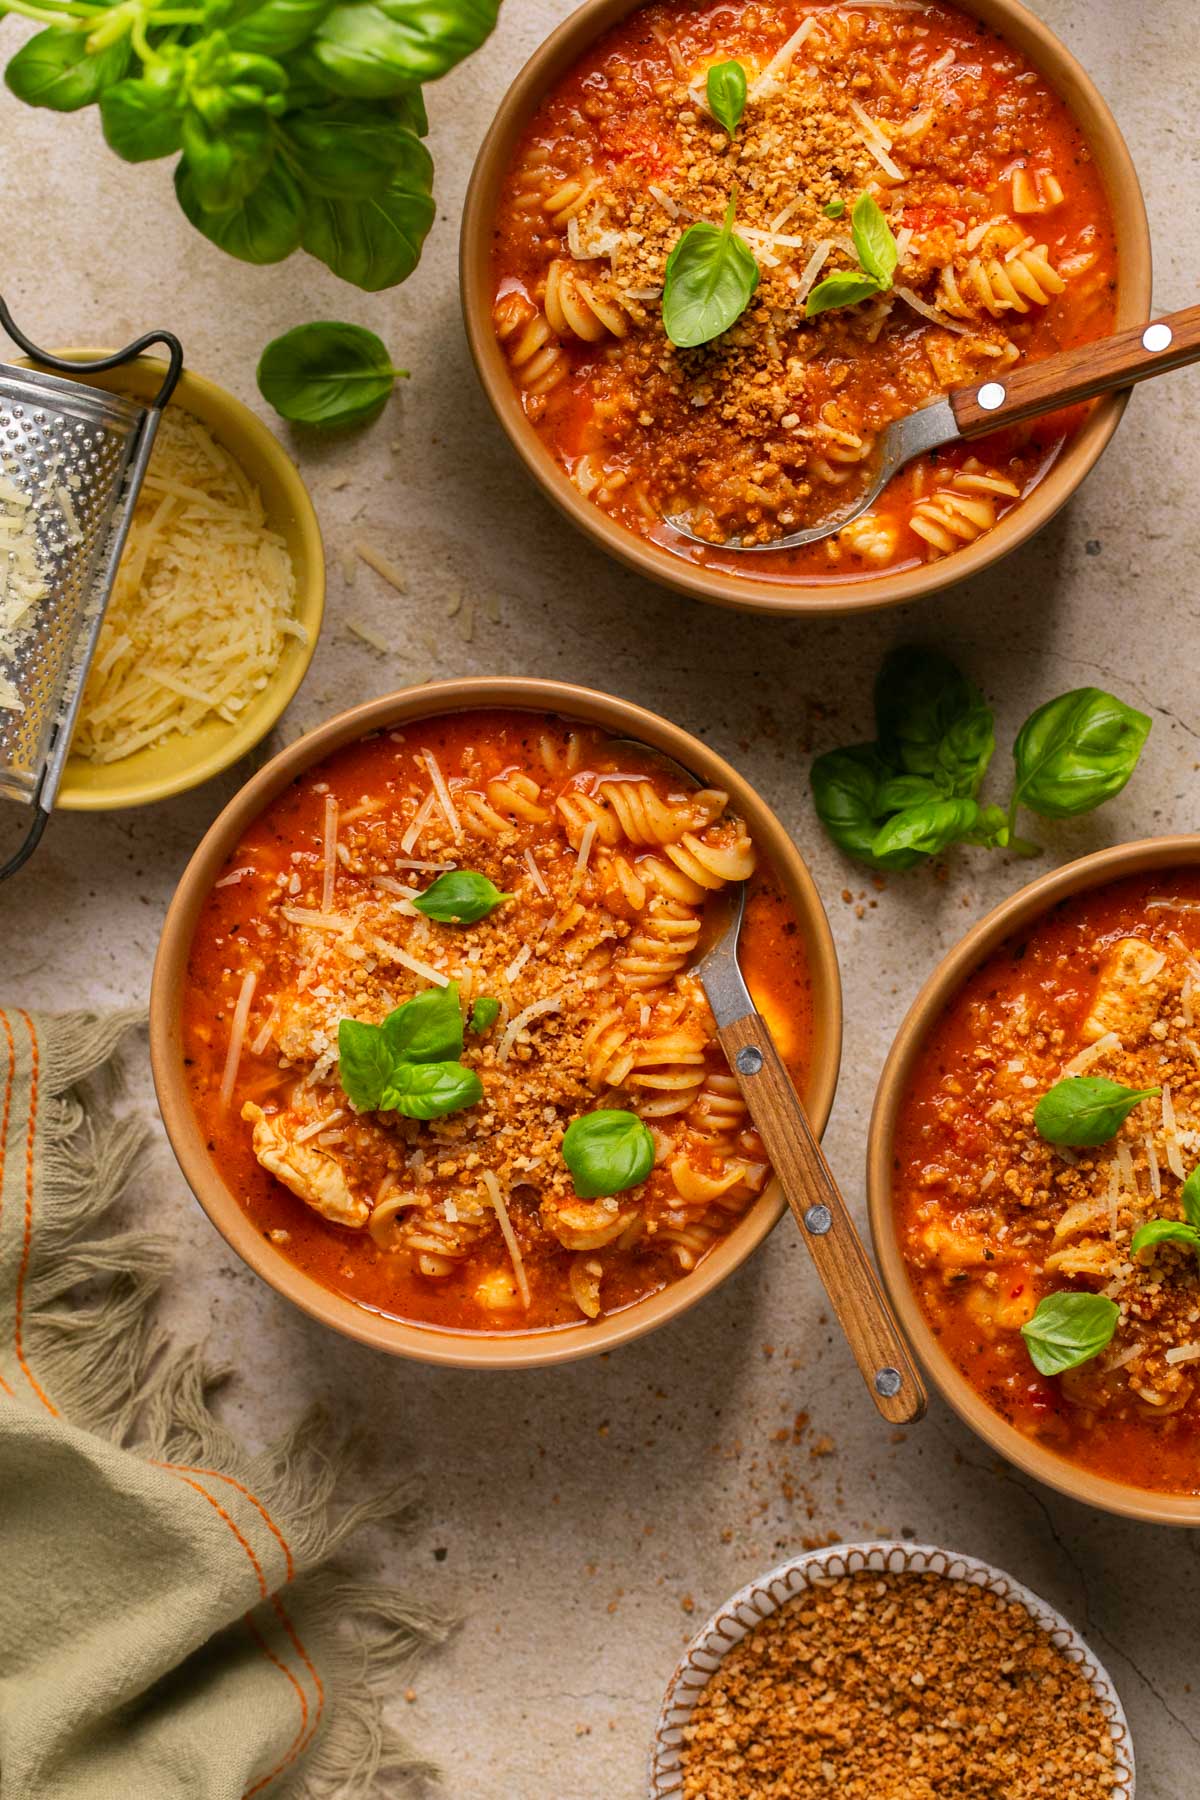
{"type": "Point", "coordinates": [766, 1595]}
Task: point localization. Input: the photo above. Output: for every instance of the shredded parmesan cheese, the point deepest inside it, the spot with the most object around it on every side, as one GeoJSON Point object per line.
{"type": "Point", "coordinates": [585, 846]}
{"type": "Point", "coordinates": [419, 821]}
{"type": "Point", "coordinates": [237, 1035]}
{"type": "Point", "coordinates": [508, 1234]}
{"type": "Point", "coordinates": [813, 267]}
{"type": "Point", "coordinates": [202, 606]}
{"type": "Point", "coordinates": [1171, 1134]}
{"type": "Point", "coordinates": [443, 793]}
{"type": "Point", "coordinates": [781, 61]}
{"type": "Point", "coordinates": [413, 964]}
{"type": "Point", "coordinates": [535, 1010]}
{"type": "Point", "coordinates": [1152, 1165]}
{"type": "Point", "coordinates": [928, 312]}
{"type": "Point", "coordinates": [374, 560]}
{"type": "Point", "coordinates": [518, 963]}
{"type": "Point", "coordinates": [329, 874]}
{"type": "Point", "coordinates": [1182, 1353]}
{"type": "Point", "coordinates": [539, 880]}
{"type": "Point", "coordinates": [1092, 1053]}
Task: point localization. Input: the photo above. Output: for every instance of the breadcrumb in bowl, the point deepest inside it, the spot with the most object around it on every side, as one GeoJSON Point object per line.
{"type": "Point", "coordinates": [889, 1671]}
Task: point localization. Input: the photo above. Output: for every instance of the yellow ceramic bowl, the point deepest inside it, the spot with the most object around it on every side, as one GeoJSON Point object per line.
{"type": "Point", "coordinates": [184, 759]}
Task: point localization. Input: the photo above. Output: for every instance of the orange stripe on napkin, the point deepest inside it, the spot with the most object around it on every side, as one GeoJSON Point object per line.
{"type": "Point", "coordinates": [256, 1503]}
{"type": "Point", "coordinates": [303, 1735]}
{"type": "Point", "coordinates": [30, 1135]}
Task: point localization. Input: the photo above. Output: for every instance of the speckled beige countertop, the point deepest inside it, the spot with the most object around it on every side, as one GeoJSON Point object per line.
{"type": "Point", "coordinates": [584, 1520]}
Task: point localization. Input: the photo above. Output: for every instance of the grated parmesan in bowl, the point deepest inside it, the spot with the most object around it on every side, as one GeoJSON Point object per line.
{"type": "Point", "coordinates": [203, 604]}
{"type": "Point", "coordinates": [216, 609]}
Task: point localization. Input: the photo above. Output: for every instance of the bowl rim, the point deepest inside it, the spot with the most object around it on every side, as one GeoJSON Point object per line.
{"type": "Point", "coordinates": [552, 57]}
{"type": "Point", "coordinates": [310, 588]}
{"type": "Point", "coordinates": [431, 1343]}
{"type": "Point", "coordinates": [942, 986]}
{"type": "Point", "coordinates": [768, 1593]}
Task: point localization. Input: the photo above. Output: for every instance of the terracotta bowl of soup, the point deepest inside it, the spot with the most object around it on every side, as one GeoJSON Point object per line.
{"type": "Point", "coordinates": [447, 1226]}
{"type": "Point", "coordinates": [982, 1210]}
{"type": "Point", "coordinates": [578, 198]}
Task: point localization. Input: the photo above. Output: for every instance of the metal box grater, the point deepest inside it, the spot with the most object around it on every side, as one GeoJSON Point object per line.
{"type": "Point", "coordinates": [61, 437]}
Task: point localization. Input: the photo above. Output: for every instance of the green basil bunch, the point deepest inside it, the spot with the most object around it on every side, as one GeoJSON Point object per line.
{"type": "Point", "coordinates": [297, 123]}
{"type": "Point", "coordinates": [915, 790]}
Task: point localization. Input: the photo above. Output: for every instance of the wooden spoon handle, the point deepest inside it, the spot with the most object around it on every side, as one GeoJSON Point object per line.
{"type": "Point", "coordinates": [1032, 389]}
{"type": "Point", "coordinates": [825, 1223]}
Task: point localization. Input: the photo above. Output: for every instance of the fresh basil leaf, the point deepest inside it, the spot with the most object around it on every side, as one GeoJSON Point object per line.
{"type": "Point", "coordinates": [55, 69]}
{"type": "Point", "coordinates": [846, 786]}
{"type": "Point", "coordinates": [873, 239]}
{"type": "Point", "coordinates": [920, 697]}
{"type": "Point", "coordinates": [1189, 1195]}
{"type": "Point", "coordinates": [327, 374]}
{"type": "Point", "coordinates": [990, 829]}
{"type": "Point", "coordinates": [484, 1013]}
{"type": "Point", "coordinates": [1166, 1231]}
{"type": "Point", "coordinates": [835, 210]}
{"type": "Point", "coordinates": [375, 241]}
{"type": "Point", "coordinates": [347, 149]}
{"type": "Point", "coordinates": [925, 829]}
{"type": "Point", "coordinates": [460, 897]}
{"type": "Point", "coordinates": [426, 1029]}
{"type": "Point", "coordinates": [364, 1063]}
{"type": "Point", "coordinates": [1076, 752]}
{"type": "Point", "coordinates": [901, 791]}
{"type": "Point", "coordinates": [225, 162]}
{"type": "Point", "coordinates": [141, 119]}
{"type": "Point", "coordinates": [429, 1090]}
{"type": "Point", "coordinates": [844, 288]}
{"type": "Point", "coordinates": [1068, 1329]}
{"type": "Point", "coordinates": [710, 280]}
{"type": "Point", "coordinates": [726, 90]}
{"type": "Point", "coordinates": [962, 756]}
{"type": "Point", "coordinates": [279, 26]}
{"type": "Point", "coordinates": [607, 1152]}
{"type": "Point", "coordinates": [375, 47]}
{"type": "Point", "coordinates": [1084, 1110]}
{"type": "Point", "coordinates": [264, 228]}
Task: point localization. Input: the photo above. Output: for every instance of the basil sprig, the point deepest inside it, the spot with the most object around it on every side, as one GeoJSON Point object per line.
{"type": "Point", "coordinates": [327, 374]}
{"type": "Point", "coordinates": [607, 1152]}
{"type": "Point", "coordinates": [1068, 1329]}
{"type": "Point", "coordinates": [459, 897]}
{"type": "Point", "coordinates": [877, 253]}
{"type": "Point", "coordinates": [409, 1064]}
{"type": "Point", "coordinates": [710, 280]}
{"type": "Point", "coordinates": [726, 90]}
{"type": "Point", "coordinates": [915, 790]}
{"type": "Point", "coordinates": [1084, 1110]}
{"type": "Point", "coordinates": [1185, 1231]}
{"type": "Point", "coordinates": [297, 123]}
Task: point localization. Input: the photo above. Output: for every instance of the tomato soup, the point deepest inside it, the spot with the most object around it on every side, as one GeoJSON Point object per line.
{"type": "Point", "coordinates": [1000, 235]}
{"type": "Point", "coordinates": [555, 977]}
{"type": "Point", "coordinates": [993, 1218]}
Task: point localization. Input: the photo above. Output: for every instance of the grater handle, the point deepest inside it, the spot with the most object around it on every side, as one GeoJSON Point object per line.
{"type": "Point", "coordinates": [96, 366]}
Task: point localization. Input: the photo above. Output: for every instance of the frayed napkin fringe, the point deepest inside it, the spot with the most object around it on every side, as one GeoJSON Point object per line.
{"type": "Point", "coordinates": [114, 1371]}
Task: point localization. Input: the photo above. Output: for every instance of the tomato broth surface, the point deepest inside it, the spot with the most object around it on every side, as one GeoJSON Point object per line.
{"type": "Point", "coordinates": [469, 1221]}
{"type": "Point", "coordinates": [1005, 249]}
{"type": "Point", "coordinates": [991, 1218]}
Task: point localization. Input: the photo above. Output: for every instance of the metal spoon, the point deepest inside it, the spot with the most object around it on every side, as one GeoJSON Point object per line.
{"type": "Point", "coordinates": [870, 1326]}
{"type": "Point", "coordinates": [1171, 342]}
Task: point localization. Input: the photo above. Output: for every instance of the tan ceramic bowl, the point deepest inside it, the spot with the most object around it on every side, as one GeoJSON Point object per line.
{"type": "Point", "coordinates": [429, 1343]}
{"type": "Point", "coordinates": [543, 70]}
{"type": "Point", "coordinates": [941, 988]}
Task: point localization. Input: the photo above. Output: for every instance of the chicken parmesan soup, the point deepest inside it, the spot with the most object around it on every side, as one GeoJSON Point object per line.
{"type": "Point", "coordinates": [442, 1034]}
{"type": "Point", "coordinates": [1043, 1181]}
{"type": "Point", "coordinates": [913, 209]}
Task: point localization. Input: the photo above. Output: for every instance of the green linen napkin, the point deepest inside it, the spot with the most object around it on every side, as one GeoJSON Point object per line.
{"type": "Point", "coordinates": [167, 1629]}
